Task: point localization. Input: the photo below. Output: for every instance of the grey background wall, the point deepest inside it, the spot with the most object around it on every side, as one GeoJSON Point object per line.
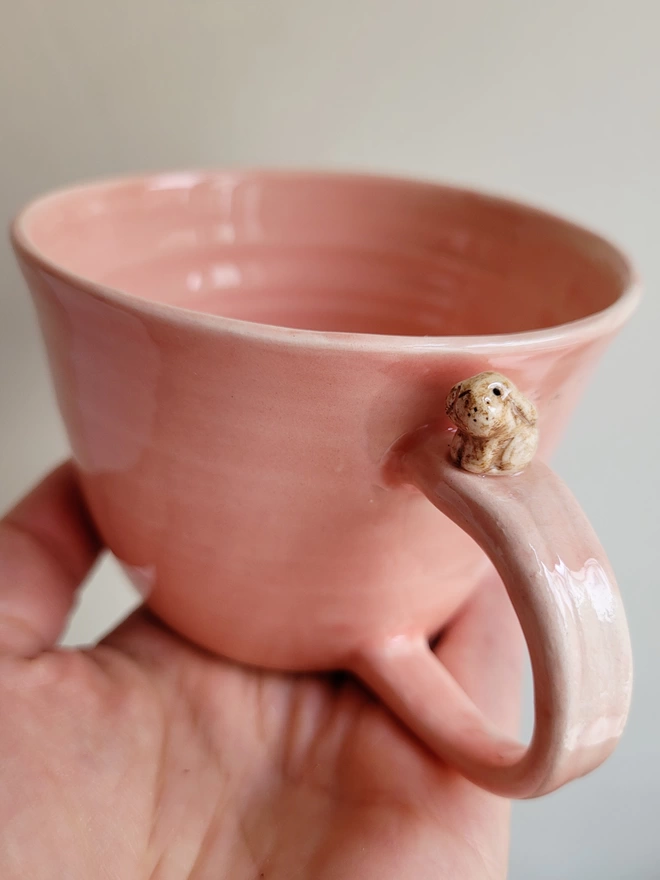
{"type": "Point", "coordinates": [558, 103]}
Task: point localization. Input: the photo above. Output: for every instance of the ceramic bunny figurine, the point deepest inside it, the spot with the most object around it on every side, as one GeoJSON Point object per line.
{"type": "Point", "coordinates": [497, 431]}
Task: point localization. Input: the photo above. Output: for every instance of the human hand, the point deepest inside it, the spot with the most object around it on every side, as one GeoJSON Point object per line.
{"type": "Point", "coordinates": [144, 757]}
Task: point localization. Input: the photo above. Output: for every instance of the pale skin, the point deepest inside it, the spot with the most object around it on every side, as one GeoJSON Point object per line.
{"type": "Point", "coordinates": [146, 758]}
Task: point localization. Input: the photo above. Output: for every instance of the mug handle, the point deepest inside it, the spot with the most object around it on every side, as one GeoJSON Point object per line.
{"type": "Point", "coordinates": [568, 604]}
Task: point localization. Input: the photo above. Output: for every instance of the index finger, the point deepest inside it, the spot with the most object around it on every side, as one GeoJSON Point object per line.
{"type": "Point", "coordinates": [47, 546]}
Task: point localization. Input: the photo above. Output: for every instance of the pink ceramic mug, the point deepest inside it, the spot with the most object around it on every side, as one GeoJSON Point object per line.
{"type": "Point", "coordinates": [237, 357]}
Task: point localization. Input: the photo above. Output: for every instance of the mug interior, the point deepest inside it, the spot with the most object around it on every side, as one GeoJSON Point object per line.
{"type": "Point", "coordinates": [330, 252]}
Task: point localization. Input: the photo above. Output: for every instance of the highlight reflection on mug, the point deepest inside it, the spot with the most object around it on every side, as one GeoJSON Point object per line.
{"type": "Point", "coordinates": [115, 367]}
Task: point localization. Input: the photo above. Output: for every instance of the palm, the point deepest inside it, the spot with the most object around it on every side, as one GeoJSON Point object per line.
{"type": "Point", "coordinates": [146, 758]}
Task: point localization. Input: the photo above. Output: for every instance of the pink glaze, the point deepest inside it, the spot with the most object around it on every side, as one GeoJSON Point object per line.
{"type": "Point", "coordinates": [235, 356]}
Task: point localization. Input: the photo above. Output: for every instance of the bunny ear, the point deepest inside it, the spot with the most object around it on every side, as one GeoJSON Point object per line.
{"type": "Point", "coordinates": [524, 408]}
{"type": "Point", "coordinates": [451, 397]}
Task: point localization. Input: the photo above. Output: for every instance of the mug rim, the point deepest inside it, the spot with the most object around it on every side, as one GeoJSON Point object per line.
{"type": "Point", "coordinates": [598, 323]}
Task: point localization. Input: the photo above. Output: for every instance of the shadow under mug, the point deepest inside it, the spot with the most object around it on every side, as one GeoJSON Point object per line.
{"type": "Point", "coordinates": [237, 355]}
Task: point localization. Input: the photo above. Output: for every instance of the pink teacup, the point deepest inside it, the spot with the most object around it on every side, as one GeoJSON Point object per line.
{"type": "Point", "coordinates": [244, 363]}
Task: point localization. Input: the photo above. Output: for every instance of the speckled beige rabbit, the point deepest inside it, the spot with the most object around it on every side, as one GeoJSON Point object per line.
{"type": "Point", "coordinates": [497, 431]}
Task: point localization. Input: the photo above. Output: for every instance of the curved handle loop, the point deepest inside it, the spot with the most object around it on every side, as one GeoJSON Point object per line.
{"type": "Point", "coordinates": [566, 598]}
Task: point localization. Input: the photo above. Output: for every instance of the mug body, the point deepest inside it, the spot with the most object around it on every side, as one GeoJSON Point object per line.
{"type": "Point", "coordinates": [237, 355]}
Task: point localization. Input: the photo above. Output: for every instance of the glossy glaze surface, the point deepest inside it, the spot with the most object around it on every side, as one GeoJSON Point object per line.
{"type": "Point", "coordinates": [566, 597]}
{"type": "Point", "coordinates": [340, 253]}
{"type": "Point", "coordinates": [237, 468]}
